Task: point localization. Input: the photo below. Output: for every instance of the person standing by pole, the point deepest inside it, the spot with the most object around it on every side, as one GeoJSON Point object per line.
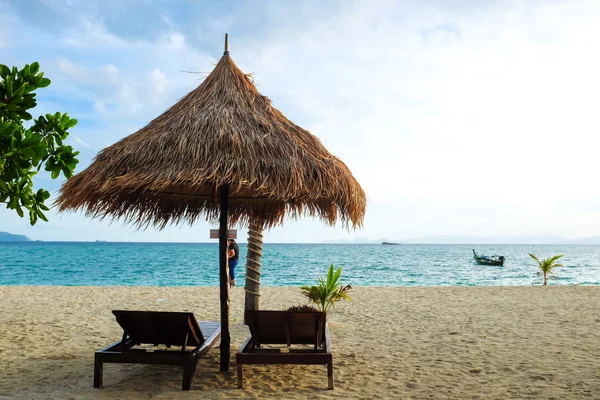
{"type": "Point", "coordinates": [233, 254]}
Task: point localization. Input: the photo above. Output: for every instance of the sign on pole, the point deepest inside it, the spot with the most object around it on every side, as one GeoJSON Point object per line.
{"type": "Point", "coordinates": [231, 233]}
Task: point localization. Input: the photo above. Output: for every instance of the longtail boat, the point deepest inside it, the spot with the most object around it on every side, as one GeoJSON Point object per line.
{"type": "Point", "coordinates": [488, 260]}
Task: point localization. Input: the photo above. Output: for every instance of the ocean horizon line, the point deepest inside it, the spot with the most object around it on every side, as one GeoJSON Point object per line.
{"type": "Point", "coordinates": [398, 243]}
{"type": "Point", "coordinates": [297, 285]}
{"type": "Point", "coordinates": [286, 264]}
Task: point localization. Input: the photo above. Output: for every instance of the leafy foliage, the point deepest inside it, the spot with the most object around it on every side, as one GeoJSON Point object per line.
{"type": "Point", "coordinates": [546, 266]}
{"type": "Point", "coordinates": [327, 292]}
{"type": "Point", "coordinates": [24, 150]}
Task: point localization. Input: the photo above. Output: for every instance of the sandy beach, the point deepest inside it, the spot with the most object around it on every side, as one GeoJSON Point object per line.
{"type": "Point", "coordinates": [443, 342]}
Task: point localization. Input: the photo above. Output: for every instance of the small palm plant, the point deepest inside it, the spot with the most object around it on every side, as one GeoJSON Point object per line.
{"type": "Point", "coordinates": [327, 292]}
{"type": "Point", "coordinates": [546, 266]}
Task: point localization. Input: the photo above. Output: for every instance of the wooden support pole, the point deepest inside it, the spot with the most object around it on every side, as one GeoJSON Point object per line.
{"type": "Point", "coordinates": [224, 279]}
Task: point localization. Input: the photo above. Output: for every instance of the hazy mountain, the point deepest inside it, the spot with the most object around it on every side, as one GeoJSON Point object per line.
{"type": "Point", "coordinates": [469, 239]}
{"type": "Point", "coordinates": [358, 241]}
{"type": "Point", "coordinates": [9, 237]}
{"type": "Point", "coordinates": [586, 240]}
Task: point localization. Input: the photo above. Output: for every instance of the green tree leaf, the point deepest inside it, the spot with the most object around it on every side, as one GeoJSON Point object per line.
{"type": "Point", "coordinates": [327, 292]}
{"type": "Point", "coordinates": [547, 266]}
{"type": "Point", "coordinates": [25, 149]}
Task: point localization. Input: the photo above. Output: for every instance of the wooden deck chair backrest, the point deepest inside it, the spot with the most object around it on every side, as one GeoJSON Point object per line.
{"type": "Point", "coordinates": [160, 327]}
{"type": "Point", "coordinates": [286, 327]}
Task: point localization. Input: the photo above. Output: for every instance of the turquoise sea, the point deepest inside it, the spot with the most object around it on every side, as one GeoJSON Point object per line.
{"type": "Point", "coordinates": [196, 264]}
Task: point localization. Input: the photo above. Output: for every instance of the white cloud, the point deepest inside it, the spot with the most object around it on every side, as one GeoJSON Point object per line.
{"type": "Point", "coordinates": [92, 34]}
{"type": "Point", "coordinates": [456, 117]}
{"type": "Point", "coordinates": [447, 100]}
{"type": "Point", "coordinates": [5, 35]}
{"type": "Point", "coordinates": [100, 107]}
{"type": "Point", "coordinates": [81, 142]}
{"type": "Point", "coordinates": [498, 110]}
{"type": "Point", "coordinates": [123, 90]}
{"type": "Point", "coordinates": [159, 80]}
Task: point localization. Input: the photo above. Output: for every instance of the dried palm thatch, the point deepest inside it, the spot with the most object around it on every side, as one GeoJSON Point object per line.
{"type": "Point", "coordinates": [222, 132]}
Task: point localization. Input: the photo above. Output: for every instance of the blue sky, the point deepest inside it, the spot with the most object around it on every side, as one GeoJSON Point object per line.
{"type": "Point", "coordinates": [463, 117]}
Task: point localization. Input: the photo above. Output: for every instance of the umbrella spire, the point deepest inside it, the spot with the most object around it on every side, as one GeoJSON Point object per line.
{"type": "Point", "coordinates": [226, 52]}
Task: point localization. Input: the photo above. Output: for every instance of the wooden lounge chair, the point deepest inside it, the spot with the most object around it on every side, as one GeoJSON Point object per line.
{"type": "Point", "coordinates": [289, 328]}
{"type": "Point", "coordinates": [156, 328]}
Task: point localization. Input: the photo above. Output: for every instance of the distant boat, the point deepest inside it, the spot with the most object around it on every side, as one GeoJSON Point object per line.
{"type": "Point", "coordinates": [390, 243]}
{"type": "Point", "coordinates": [488, 260]}
{"type": "Point", "coordinates": [100, 241]}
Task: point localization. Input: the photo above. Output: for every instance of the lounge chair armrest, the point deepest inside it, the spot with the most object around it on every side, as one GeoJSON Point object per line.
{"type": "Point", "coordinates": [245, 345]}
{"type": "Point", "coordinates": [208, 343]}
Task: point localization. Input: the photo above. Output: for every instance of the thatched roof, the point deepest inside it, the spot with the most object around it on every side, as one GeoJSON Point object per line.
{"type": "Point", "coordinates": [222, 132]}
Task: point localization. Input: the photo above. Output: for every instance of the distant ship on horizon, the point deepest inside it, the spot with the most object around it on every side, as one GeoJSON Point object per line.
{"type": "Point", "coordinates": [390, 243]}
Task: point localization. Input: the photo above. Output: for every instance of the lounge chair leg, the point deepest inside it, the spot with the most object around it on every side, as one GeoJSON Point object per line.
{"type": "Point", "coordinates": [189, 367]}
{"type": "Point", "coordinates": [98, 367]}
{"type": "Point", "coordinates": [240, 374]}
{"type": "Point", "coordinates": [330, 375]}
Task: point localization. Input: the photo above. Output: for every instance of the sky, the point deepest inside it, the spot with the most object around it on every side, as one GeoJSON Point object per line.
{"type": "Point", "coordinates": [466, 117]}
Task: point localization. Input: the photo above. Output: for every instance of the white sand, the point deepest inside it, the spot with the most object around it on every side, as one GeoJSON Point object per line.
{"type": "Point", "coordinates": [445, 342]}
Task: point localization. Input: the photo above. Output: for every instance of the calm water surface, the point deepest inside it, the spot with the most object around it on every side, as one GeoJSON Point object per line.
{"type": "Point", "coordinates": [191, 264]}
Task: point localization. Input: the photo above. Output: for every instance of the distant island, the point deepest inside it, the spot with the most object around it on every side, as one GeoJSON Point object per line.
{"type": "Point", "coordinates": [516, 239]}
{"type": "Point", "coordinates": [390, 243]}
{"type": "Point", "coordinates": [475, 240]}
{"type": "Point", "coordinates": [360, 240]}
{"type": "Point", "coordinates": [9, 237]}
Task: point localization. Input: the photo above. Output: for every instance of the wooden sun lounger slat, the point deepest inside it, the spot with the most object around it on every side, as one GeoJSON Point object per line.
{"type": "Point", "coordinates": [289, 328]}
{"type": "Point", "coordinates": [159, 328]}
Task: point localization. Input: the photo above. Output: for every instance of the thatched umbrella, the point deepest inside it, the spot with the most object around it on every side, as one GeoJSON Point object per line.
{"type": "Point", "coordinates": [222, 152]}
